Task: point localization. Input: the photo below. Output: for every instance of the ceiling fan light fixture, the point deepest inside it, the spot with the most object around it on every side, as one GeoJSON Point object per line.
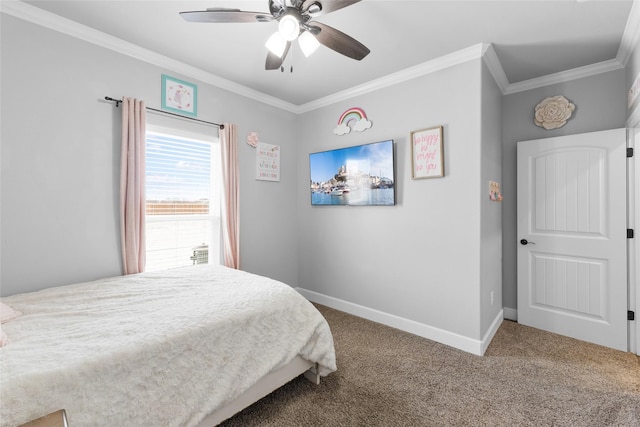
{"type": "Point", "coordinates": [314, 8]}
{"type": "Point", "coordinates": [289, 27]}
{"type": "Point", "coordinates": [308, 43]}
{"type": "Point", "coordinates": [276, 44]}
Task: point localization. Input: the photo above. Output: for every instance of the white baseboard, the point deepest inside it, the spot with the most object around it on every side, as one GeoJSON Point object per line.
{"type": "Point", "coordinates": [510, 314]}
{"type": "Point", "coordinates": [486, 340]}
{"type": "Point", "coordinates": [470, 345]}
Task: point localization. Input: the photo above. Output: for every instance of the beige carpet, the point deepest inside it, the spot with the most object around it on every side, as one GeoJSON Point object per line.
{"type": "Point", "coordinates": [387, 377]}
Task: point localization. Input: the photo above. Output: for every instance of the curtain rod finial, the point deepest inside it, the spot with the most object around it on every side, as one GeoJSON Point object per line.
{"type": "Point", "coordinates": [117, 101]}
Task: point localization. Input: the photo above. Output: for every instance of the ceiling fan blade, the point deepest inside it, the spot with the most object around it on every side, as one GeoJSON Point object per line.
{"type": "Point", "coordinates": [273, 61]}
{"type": "Point", "coordinates": [339, 41]}
{"type": "Point", "coordinates": [327, 6]}
{"type": "Point", "coordinates": [225, 16]}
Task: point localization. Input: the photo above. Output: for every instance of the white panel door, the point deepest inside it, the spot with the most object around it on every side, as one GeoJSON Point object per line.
{"type": "Point", "coordinates": [572, 259]}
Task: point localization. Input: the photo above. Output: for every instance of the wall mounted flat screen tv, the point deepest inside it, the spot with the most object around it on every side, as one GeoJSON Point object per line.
{"type": "Point", "coordinates": [360, 175]}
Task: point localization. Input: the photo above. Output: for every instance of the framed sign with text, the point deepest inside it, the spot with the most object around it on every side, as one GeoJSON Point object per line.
{"type": "Point", "coordinates": [427, 157]}
{"type": "Point", "coordinates": [267, 162]}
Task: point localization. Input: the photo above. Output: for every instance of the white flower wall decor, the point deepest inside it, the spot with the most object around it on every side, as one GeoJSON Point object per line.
{"type": "Point", "coordinates": [553, 112]}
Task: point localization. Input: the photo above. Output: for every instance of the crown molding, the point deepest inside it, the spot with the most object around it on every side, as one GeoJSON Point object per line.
{"type": "Point", "coordinates": [74, 29]}
{"type": "Point", "coordinates": [71, 28]}
{"type": "Point", "coordinates": [495, 67]}
{"type": "Point", "coordinates": [628, 44]}
{"type": "Point", "coordinates": [446, 61]}
{"type": "Point", "coordinates": [631, 36]}
{"type": "Point", "coordinates": [630, 40]}
{"type": "Point", "coordinates": [564, 76]}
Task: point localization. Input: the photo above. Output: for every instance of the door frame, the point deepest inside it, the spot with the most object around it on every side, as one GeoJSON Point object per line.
{"type": "Point", "coordinates": [633, 215]}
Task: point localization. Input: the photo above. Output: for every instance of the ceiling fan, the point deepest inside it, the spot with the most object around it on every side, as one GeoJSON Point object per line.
{"type": "Point", "coordinates": [295, 21]}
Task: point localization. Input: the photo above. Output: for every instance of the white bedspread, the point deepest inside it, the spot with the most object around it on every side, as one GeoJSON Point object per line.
{"type": "Point", "coordinates": [154, 349]}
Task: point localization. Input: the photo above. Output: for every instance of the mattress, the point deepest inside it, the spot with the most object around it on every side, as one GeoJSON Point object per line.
{"type": "Point", "coordinates": [159, 348]}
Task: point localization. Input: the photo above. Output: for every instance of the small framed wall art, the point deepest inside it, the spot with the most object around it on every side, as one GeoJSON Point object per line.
{"type": "Point", "coordinates": [179, 96]}
{"type": "Point", "coordinates": [427, 157]}
{"type": "Point", "coordinates": [267, 162]}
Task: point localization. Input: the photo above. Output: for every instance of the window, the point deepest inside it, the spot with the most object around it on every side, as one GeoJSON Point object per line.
{"type": "Point", "coordinates": [182, 201]}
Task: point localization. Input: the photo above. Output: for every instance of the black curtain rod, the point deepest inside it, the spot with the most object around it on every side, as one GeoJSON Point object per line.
{"type": "Point", "coordinates": [119, 101]}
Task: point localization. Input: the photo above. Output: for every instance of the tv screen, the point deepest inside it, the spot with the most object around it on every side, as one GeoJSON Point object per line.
{"type": "Point", "coordinates": [359, 175]}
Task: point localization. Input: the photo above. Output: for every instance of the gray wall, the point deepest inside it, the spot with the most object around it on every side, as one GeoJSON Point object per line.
{"type": "Point", "coordinates": [600, 104]}
{"type": "Point", "coordinates": [419, 260]}
{"type": "Point", "coordinates": [491, 212]}
{"type": "Point", "coordinates": [60, 153]}
{"type": "Point", "coordinates": [59, 179]}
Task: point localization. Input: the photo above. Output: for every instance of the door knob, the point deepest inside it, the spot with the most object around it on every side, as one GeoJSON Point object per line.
{"type": "Point", "coordinates": [526, 242]}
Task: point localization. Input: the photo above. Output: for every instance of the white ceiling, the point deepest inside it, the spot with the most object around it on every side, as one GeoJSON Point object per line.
{"type": "Point", "coordinates": [531, 38]}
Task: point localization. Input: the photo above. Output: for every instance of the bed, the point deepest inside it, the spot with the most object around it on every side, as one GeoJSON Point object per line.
{"type": "Point", "coordinates": [183, 347]}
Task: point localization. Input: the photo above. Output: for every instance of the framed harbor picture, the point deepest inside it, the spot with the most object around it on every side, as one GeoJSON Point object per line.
{"type": "Point", "coordinates": [427, 158]}
{"type": "Point", "coordinates": [360, 175]}
{"type": "Point", "coordinates": [179, 96]}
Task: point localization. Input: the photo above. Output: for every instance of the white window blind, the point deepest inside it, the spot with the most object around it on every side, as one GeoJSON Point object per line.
{"type": "Point", "coordinates": [182, 201]}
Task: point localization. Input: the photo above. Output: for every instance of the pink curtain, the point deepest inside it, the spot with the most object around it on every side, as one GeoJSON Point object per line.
{"type": "Point", "coordinates": [132, 185]}
{"type": "Point", "coordinates": [230, 200]}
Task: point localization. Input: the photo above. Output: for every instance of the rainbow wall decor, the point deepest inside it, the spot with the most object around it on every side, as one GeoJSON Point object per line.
{"type": "Point", "coordinates": [352, 119]}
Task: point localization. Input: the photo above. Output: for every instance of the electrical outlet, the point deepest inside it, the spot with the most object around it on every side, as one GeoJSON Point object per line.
{"type": "Point", "coordinates": [491, 297]}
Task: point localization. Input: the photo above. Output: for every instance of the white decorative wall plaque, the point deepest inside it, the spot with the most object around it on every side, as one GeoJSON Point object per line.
{"type": "Point", "coordinates": [267, 162]}
{"type": "Point", "coordinates": [553, 112]}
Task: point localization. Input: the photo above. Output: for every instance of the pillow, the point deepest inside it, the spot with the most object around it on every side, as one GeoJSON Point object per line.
{"type": "Point", "coordinates": [4, 339]}
{"type": "Point", "coordinates": [7, 313]}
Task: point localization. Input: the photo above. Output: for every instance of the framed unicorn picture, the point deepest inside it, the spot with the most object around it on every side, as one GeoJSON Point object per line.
{"type": "Point", "coordinates": [179, 96]}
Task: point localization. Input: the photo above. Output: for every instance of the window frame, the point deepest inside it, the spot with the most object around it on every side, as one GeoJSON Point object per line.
{"type": "Point", "coordinates": [213, 217]}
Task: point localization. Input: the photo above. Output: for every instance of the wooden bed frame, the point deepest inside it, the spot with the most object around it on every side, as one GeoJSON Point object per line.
{"type": "Point", "coordinates": [266, 385]}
